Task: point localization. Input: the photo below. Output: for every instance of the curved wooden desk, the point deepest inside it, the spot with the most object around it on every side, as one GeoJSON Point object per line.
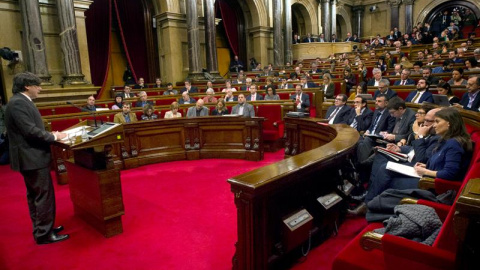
{"type": "Point", "coordinates": [264, 196]}
{"type": "Point", "coordinates": [94, 166]}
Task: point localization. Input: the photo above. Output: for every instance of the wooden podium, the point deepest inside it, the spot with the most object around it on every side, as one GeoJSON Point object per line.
{"type": "Point", "coordinates": [94, 181]}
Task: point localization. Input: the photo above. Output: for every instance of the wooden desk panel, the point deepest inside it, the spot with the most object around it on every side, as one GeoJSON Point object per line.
{"type": "Point", "coordinates": [263, 196]}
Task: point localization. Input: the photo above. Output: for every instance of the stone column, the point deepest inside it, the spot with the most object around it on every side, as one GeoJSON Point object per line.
{"type": "Point", "coordinates": [334, 18]}
{"type": "Point", "coordinates": [277, 34]}
{"type": "Point", "coordinates": [326, 19]}
{"type": "Point", "coordinates": [287, 10]}
{"type": "Point", "coordinates": [195, 72]}
{"type": "Point", "coordinates": [358, 11]}
{"type": "Point", "coordinates": [210, 38]}
{"type": "Point", "coordinates": [69, 42]}
{"type": "Point", "coordinates": [33, 38]}
{"type": "Point", "coordinates": [394, 13]}
{"type": "Point", "coordinates": [408, 15]}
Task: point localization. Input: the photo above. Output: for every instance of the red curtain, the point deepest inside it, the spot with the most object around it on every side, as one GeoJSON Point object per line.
{"type": "Point", "coordinates": [230, 24]}
{"type": "Point", "coordinates": [98, 24]}
{"type": "Point", "coordinates": [130, 14]}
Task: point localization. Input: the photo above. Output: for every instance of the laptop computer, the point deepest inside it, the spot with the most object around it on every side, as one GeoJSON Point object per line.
{"type": "Point", "coordinates": [441, 100]}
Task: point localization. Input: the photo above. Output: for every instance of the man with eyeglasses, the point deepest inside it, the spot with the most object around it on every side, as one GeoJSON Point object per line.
{"type": "Point", "coordinates": [421, 94]}
{"type": "Point", "coordinates": [404, 78]}
{"type": "Point", "coordinates": [420, 150]}
{"type": "Point", "coordinates": [471, 99]}
{"type": "Point", "coordinates": [360, 117]}
{"type": "Point", "coordinates": [383, 88]}
{"type": "Point", "coordinates": [403, 123]}
{"type": "Point", "coordinates": [340, 112]}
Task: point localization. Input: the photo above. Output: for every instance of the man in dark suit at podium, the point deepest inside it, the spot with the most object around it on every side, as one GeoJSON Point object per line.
{"type": "Point", "coordinates": [302, 100]}
{"type": "Point", "coordinates": [30, 154]}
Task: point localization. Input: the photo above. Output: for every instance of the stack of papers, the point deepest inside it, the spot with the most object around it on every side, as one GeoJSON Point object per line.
{"type": "Point", "coordinates": [403, 169]}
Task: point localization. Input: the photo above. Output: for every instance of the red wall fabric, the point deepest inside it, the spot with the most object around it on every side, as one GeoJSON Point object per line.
{"type": "Point", "coordinates": [129, 15]}
{"type": "Point", "coordinates": [229, 20]}
{"type": "Point", "coordinates": [98, 25]}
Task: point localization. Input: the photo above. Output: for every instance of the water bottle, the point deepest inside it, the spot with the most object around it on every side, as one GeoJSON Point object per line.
{"type": "Point", "coordinates": [84, 134]}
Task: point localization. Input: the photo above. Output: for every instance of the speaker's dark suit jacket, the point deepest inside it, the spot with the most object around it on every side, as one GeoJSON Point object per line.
{"type": "Point", "coordinates": [427, 96]}
{"type": "Point", "coordinates": [342, 116]}
{"type": "Point", "coordinates": [29, 142]}
{"type": "Point", "coordinates": [475, 104]}
{"type": "Point", "coordinates": [364, 120]}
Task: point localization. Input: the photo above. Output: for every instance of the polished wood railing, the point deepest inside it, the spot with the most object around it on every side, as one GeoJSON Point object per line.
{"type": "Point", "coordinates": [265, 195]}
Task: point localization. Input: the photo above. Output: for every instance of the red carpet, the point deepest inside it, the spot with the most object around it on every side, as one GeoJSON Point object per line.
{"type": "Point", "coordinates": [178, 215]}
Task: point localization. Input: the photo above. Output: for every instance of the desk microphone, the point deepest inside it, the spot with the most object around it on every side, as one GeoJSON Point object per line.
{"type": "Point", "coordinates": [84, 110]}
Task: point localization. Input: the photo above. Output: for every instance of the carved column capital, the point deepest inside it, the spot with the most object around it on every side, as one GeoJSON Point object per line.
{"type": "Point", "coordinates": [360, 9]}
{"type": "Point", "coordinates": [394, 3]}
{"type": "Point", "coordinates": [325, 1]}
{"type": "Point", "coordinates": [408, 2]}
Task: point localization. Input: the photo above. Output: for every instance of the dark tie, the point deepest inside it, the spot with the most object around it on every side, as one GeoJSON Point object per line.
{"type": "Point", "coordinates": [375, 123]}
{"type": "Point", "coordinates": [415, 97]}
{"type": "Point", "coordinates": [397, 126]}
{"type": "Point", "coordinates": [333, 113]}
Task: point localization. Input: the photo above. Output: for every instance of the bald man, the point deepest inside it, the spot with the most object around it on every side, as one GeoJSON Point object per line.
{"type": "Point", "coordinates": [198, 110]}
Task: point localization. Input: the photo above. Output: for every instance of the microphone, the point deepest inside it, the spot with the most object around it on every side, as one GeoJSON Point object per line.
{"type": "Point", "coordinates": [84, 110]}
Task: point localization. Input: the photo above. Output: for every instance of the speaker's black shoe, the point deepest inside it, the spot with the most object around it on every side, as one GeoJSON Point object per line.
{"type": "Point", "coordinates": [52, 238]}
{"type": "Point", "coordinates": [58, 229]}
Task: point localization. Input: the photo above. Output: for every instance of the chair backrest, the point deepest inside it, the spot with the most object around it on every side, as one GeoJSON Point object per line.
{"type": "Point", "coordinates": [447, 239]}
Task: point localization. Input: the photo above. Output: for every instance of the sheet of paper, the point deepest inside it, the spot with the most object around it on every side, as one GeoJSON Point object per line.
{"type": "Point", "coordinates": [403, 169]}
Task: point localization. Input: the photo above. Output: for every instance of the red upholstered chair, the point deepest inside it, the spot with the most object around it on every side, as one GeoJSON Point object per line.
{"type": "Point", "coordinates": [284, 95]}
{"type": "Point", "coordinates": [273, 126]}
{"type": "Point", "coordinates": [46, 111]}
{"type": "Point", "coordinates": [61, 124]}
{"type": "Point", "coordinates": [371, 251]}
{"type": "Point", "coordinates": [403, 94]}
{"type": "Point", "coordinates": [164, 101]}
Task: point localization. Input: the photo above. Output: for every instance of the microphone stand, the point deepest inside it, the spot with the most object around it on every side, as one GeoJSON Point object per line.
{"type": "Point", "coordinates": [83, 110]}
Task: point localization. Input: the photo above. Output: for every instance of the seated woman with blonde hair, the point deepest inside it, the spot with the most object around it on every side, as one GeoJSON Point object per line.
{"type": "Point", "coordinates": [220, 109]}
{"type": "Point", "coordinates": [173, 113]}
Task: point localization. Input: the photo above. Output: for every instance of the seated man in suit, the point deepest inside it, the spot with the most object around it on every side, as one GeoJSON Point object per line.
{"type": "Point", "coordinates": [307, 84]}
{"type": "Point", "coordinates": [377, 76]}
{"type": "Point", "coordinates": [404, 78]}
{"type": "Point", "coordinates": [383, 88]}
{"type": "Point", "coordinates": [248, 83]}
{"type": "Point", "coordinates": [189, 88]}
{"type": "Point", "coordinates": [143, 100]}
{"type": "Point", "coordinates": [360, 117]}
{"type": "Point", "coordinates": [321, 38]}
{"type": "Point", "coordinates": [127, 92]}
{"type": "Point", "coordinates": [314, 69]}
{"type": "Point", "coordinates": [427, 75]}
{"type": "Point", "coordinates": [421, 94]}
{"type": "Point", "coordinates": [140, 84]}
{"type": "Point", "coordinates": [198, 110]}
{"type": "Point", "coordinates": [349, 37]}
{"type": "Point", "coordinates": [447, 67]}
{"type": "Point", "coordinates": [186, 99]}
{"type": "Point", "coordinates": [340, 112]}
{"type": "Point", "coordinates": [302, 100]}
{"type": "Point", "coordinates": [334, 38]}
{"type": "Point", "coordinates": [403, 123]}
{"type": "Point", "coordinates": [253, 94]}
{"type": "Point", "coordinates": [284, 84]}
{"type": "Point", "coordinates": [243, 108]}
{"type": "Point", "coordinates": [90, 107]}
{"type": "Point", "coordinates": [308, 39]}
{"type": "Point", "coordinates": [397, 70]}
{"type": "Point", "coordinates": [125, 116]}
{"type": "Point", "coordinates": [170, 90]}
{"type": "Point", "coordinates": [236, 65]}
{"type": "Point", "coordinates": [471, 99]}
